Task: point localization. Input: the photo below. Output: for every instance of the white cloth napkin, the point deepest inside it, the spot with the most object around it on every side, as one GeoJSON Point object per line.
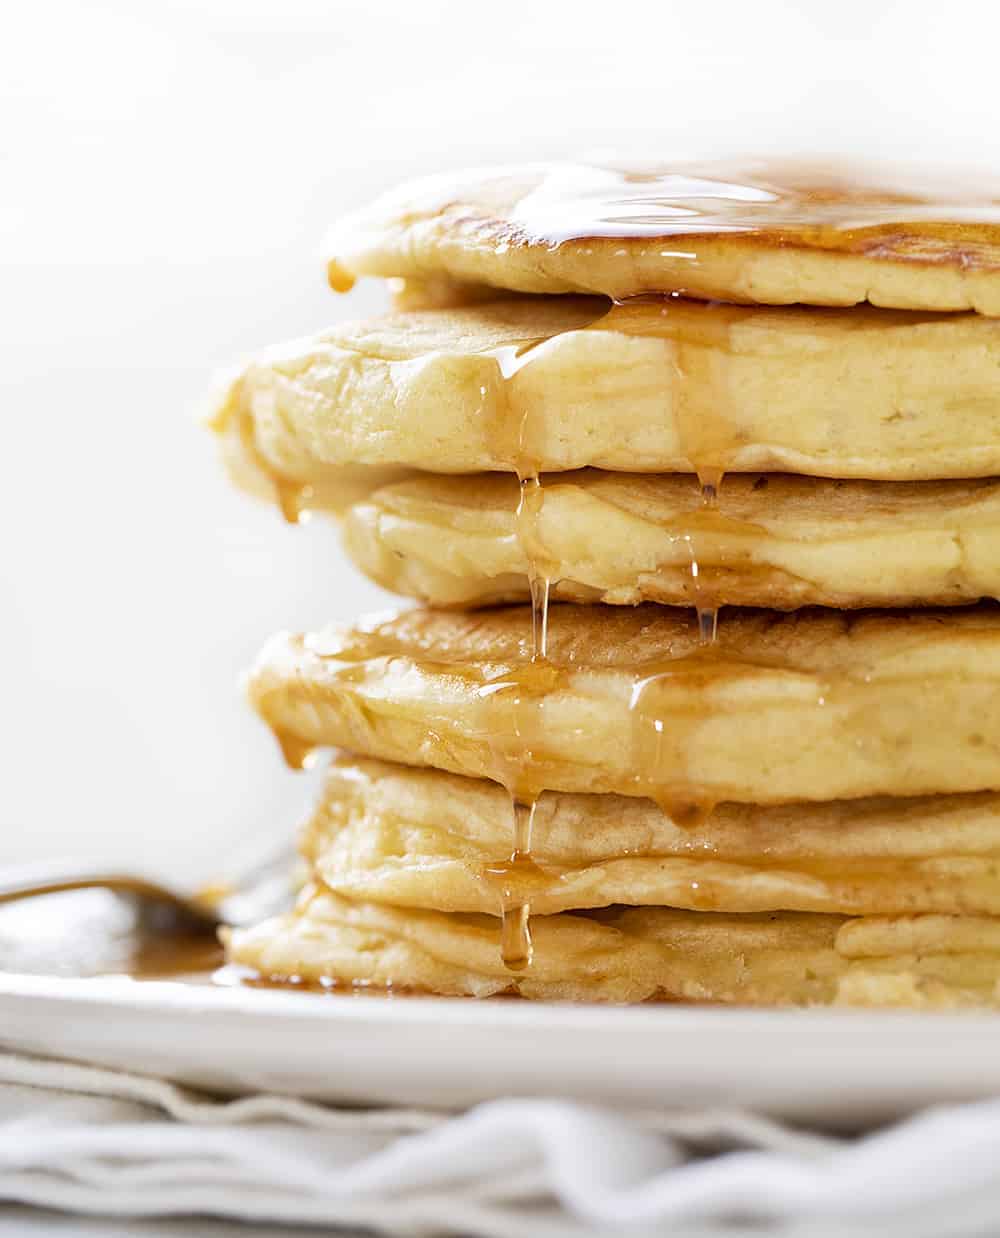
{"type": "Point", "coordinates": [96, 1141]}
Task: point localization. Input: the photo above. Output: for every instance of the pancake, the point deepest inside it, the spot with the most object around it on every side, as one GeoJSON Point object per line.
{"type": "Point", "coordinates": [767, 232]}
{"type": "Point", "coordinates": [637, 954]}
{"type": "Point", "coordinates": [778, 541]}
{"type": "Point", "coordinates": [817, 705]}
{"type": "Point", "coordinates": [421, 838]}
{"type": "Point", "coordinates": [551, 384]}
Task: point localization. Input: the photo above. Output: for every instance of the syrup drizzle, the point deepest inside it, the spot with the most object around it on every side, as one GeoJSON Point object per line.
{"type": "Point", "coordinates": [698, 407]}
{"type": "Point", "coordinates": [514, 876]}
{"type": "Point", "coordinates": [660, 733]}
{"type": "Point", "coordinates": [293, 500]}
{"type": "Point", "coordinates": [298, 753]}
{"type": "Point", "coordinates": [539, 571]}
{"type": "Point", "coordinates": [516, 766]}
{"type": "Point", "coordinates": [707, 437]}
{"type": "Point", "coordinates": [707, 610]}
{"type": "Point", "coordinates": [515, 903]}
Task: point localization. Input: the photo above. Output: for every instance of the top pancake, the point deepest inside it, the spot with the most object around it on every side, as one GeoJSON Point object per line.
{"type": "Point", "coordinates": [764, 232]}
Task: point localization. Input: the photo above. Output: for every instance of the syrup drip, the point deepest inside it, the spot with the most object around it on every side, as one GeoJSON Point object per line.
{"type": "Point", "coordinates": [699, 402]}
{"type": "Point", "coordinates": [510, 434]}
{"type": "Point", "coordinates": [539, 615]}
{"type": "Point", "coordinates": [539, 578]}
{"type": "Point", "coordinates": [705, 412]}
{"type": "Point", "coordinates": [709, 482]}
{"type": "Point", "coordinates": [659, 737]}
{"type": "Point", "coordinates": [707, 440]}
{"type": "Point", "coordinates": [708, 617]}
{"type": "Point", "coordinates": [513, 879]}
{"type": "Point", "coordinates": [517, 767]}
{"type": "Point", "coordinates": [298, 753]}
{"type": "Point", "coordinates": [294, 499]}
{"type": "Point", "coordinates": [515, 935]}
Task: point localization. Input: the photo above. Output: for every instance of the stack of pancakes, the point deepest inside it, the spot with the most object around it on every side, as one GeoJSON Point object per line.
{"type": "Point", "coordinates": [740, 424]}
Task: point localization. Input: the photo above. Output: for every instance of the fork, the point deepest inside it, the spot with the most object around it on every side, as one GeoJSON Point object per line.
{"type": "Point", "coordinates": [259, 888]}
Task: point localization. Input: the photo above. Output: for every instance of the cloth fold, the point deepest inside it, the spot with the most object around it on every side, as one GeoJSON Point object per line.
{"type": "Point", "coordinates": [96, 1141]}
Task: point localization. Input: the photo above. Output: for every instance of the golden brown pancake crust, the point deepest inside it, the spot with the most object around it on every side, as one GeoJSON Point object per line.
{"type": "Point", "coordinates": [773, 232]}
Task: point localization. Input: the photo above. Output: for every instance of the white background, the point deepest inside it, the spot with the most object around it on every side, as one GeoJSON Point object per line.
{"type": "Point", "coordinates": [166, 173]}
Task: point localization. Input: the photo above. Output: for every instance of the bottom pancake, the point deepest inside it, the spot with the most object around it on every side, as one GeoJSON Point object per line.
{"type": "Point", "coordinates": [636, 955]}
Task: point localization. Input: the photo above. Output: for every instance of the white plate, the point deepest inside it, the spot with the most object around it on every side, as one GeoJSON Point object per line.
{"type": "Point", "coordinates": [840, 1066]}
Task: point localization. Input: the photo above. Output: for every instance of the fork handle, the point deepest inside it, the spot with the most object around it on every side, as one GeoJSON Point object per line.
{"type": "Point", "coordinates": [32, 880]}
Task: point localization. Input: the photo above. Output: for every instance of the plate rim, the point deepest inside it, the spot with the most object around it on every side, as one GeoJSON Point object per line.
{"type": "Point", "coordinates": [174, 997]}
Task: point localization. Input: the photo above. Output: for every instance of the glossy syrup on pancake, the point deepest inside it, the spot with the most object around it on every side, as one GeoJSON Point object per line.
{"type": "Point", "coordinates": [752, 231]}
{"type": "Point", "coordinates": [836, 205]}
